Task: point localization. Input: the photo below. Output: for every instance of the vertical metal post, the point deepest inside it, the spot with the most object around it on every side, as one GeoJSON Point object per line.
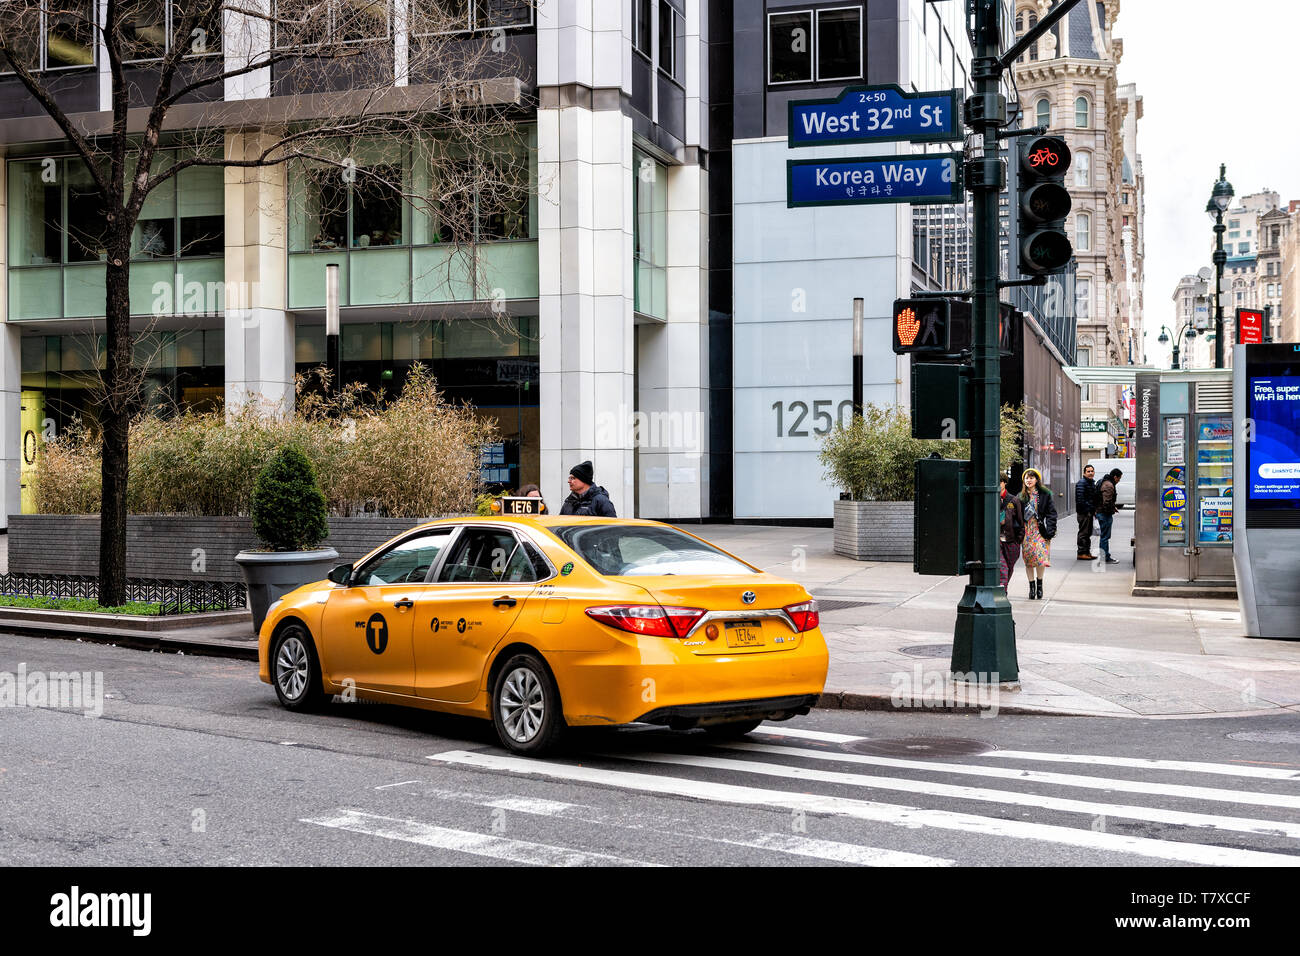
{"type": "Point", "coordinates": [857, 357]}
{"type": "Point", "coordinates": [332, 361]}
{"type": "Point", "coordinates": [1268, 324]}
{"type": "Point", "coordinates": [984, 641]}
{"type": "Point", "coordinates": [1220, 257]}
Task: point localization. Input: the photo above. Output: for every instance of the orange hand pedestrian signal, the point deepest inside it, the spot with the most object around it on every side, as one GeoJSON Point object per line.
{"type": "Point", "coordinates": [921, 325]}
{"type": "Point", "coordinates": [907, 326]}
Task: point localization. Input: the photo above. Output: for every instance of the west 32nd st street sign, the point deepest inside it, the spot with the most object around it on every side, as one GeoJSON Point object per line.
{"type": "Point", "coordinates": [875, 114]}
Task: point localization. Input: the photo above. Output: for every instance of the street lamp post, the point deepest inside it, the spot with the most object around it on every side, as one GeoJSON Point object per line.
{"type": "Point", "coordinates": [1220, 200]}
{"type": "Point", "coordinates": [1185, 330]}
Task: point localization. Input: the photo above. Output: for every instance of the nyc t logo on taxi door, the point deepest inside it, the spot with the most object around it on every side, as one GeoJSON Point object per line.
{"type": "Point", "coordinates": [377, 633]}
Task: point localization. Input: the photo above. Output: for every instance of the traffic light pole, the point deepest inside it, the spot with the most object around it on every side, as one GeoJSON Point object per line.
{"type": "Point", "coordinates": [984, 641]}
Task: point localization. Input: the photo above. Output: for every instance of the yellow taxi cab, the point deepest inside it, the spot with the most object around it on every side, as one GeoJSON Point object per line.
{"type": "Point", "coordinates": [539, 623]}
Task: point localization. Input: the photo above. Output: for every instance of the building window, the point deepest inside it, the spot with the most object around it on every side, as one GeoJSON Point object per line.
{"type": "Point", "coordinates": [1243, 248]}
{"type": "Point", "coordinates": [1026, 20]}
{"type": "Point", "coordinates": [650, 235]}
{"type": "Point", "coordinates": [1081, 111]}
{"type": "Point", "coordinates": [642, 39]}
{"type": "Point", "coordinates": [837, 42]}
{"type": "Point", "coordinates": [672, 42]}
{"type": "Point", "coordinates": [1083, 232]}
{"type": "Point", "coordinates": [1124, 199]}
{"type": "Point", "coordinates": [454, 16]}
{"type": "Point", "coordinates": [1083, 358]}
{"type": "Point", "coordinates": [1083, 298]}
{"type": "Point", "coordinates": [1234, 223]}
{"type": "Point", "coordinates": [1044, 110]}
{"type": "Point", "coordinates": [1083, 169]}
{"type": "Point", "coordinates": [1126, 220]}
{"type": "Point", "coordinates": [464, 198]}
{"type": "Point", "coordinates": [60, 218]}
{"type": "Point", "coordinates": [1234, 234]}
{"type": "Point", "coordinates": [306, 23]}
{"type": "Point", "coordinates": [50, 35]}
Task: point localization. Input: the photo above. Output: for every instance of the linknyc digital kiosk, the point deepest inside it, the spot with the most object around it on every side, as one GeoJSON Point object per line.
{"type": "Point", "coordinates": [1183, 513]}
{"type": "Point", "coordinates": [1266, 474]}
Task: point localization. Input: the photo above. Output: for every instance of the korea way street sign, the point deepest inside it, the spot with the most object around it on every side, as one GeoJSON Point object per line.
{"type": "Point", "coordinates": [923, 180]}
{"type": "Point", "coordinates": [875, 114]}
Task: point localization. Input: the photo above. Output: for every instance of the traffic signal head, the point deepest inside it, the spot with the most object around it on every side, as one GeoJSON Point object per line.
{"type": "Point", "coordinates": [1043, 204]}
{"type": "Point", "coordinates": [921, 325]}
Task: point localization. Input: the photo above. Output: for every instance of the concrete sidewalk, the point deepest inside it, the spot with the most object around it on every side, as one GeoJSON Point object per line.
{"type": "Point", "coordinates": [1088, 647]}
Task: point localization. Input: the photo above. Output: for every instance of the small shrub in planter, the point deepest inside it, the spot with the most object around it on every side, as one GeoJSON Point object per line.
{"type": "Point", "coordinates": [289, 516]}
{"type": "Point", "coordinates": [288, 505]}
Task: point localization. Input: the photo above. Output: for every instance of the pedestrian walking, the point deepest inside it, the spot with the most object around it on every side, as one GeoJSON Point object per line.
{"type": "Point", "coordinates": [1107, 505]}
{"type": "Point", "coordinates": [586, 498]}
{"type": "Point", "coordinates": [1012, 534]}
{"type": "Point", "coordinates": [1085, 509]}
{"type": "Point", "coordinates": [1040, 529]}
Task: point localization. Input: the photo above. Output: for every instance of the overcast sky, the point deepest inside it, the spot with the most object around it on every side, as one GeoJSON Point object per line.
{"type": "Point", "coordinates": [1218, 82]}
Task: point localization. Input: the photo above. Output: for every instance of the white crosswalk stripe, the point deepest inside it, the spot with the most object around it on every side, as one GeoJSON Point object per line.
{"type": "Point", "coordinates": [1287, 801]}
{"type": "Point", "coordinates": [925, 787]}
{"type": "Point", "coordinates": [865, 810]}
{"type": "Point", "coordinates": [1185, 766]}
{"type": "Point", "coordinates": [791, 844]}
{"type": "Point", "coordinates": [464, 841]}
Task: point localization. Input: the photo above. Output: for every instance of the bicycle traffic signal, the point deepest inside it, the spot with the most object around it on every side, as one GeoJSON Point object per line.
{"type": "Point", "coordinates": [1043, 204]}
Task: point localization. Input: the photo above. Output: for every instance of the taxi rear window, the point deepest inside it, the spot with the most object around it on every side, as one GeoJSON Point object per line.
{"type": "Point", "coordinates": [646, 550]}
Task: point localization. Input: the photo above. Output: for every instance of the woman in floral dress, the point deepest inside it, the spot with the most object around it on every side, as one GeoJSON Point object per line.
{"type": "Point", "coordinates": [1040, 529]}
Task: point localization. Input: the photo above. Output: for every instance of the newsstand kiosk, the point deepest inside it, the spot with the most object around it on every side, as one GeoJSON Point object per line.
{"type": "Point", "coordinates": [1183, 513]}
{"type": "Point", "coordinates": [1266, 472]}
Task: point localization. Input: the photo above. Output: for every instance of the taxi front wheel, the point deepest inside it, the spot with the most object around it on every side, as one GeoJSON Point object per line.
{"type": "Point", "coordinates": [526, 707]}
{"type": "Point", "coordinates": [295, 669]}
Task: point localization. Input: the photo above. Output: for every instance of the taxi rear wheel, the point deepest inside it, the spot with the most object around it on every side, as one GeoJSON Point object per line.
{"type": "Point", "coordinates": [526, 707]}
{"type": "Point", "coordinates": [295, 669]}
{"type": "Point", "coordinates": [732, 730]}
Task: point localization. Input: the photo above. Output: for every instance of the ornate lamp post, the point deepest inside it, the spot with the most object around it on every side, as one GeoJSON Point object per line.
{"type": "Point", "coordinates": [1220, 200]}
{"type": "Point", "coordinates": [1186, 330]}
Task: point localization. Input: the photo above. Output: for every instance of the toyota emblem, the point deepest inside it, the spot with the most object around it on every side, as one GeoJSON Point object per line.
{"type": "Point", "coordinates": [749, 597]}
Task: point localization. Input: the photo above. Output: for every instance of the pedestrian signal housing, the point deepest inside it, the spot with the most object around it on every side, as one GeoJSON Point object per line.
{"type": "Point", "coordinates": [922, 325]}
{"type": "Point", "coordinates": [1043, 203]}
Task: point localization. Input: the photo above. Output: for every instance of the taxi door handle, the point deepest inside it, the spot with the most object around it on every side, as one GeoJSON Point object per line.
{"type": "Point", "coordinates": [506, 601]}
{"type": "Point", "coordinates": [403, 603]}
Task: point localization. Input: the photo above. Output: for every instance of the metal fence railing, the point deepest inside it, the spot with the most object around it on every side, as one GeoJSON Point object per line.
{"type": "Point", "coordinates": [173, 597]}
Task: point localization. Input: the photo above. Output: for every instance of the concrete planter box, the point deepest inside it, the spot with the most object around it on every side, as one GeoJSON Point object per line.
{"type": "Point", "coordinates": [271, 575]}
{"type": "Point", "coordinates": [172, 547]}
{"type": "Point", "coordinates": [874, 530]}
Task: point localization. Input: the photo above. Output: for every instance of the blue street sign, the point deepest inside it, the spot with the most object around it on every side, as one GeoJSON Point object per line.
{"type": "Point", "coordinates": [876, 114]}
{"type": "Point", "coordinates": [924, 180]}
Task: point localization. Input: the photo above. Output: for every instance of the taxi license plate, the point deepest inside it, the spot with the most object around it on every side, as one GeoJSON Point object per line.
{"type": "Point", "coordinates": [744, 634]}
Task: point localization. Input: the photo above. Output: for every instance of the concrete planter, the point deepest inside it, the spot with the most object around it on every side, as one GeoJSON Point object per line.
{"type": "Point", "coordinates": [270, 575]}
{"type": "Point", "coordinates": [874, 530]}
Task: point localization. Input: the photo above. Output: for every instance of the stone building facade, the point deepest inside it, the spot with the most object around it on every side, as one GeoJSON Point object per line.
{"type": "Point", "coordinates": [1069, 85]}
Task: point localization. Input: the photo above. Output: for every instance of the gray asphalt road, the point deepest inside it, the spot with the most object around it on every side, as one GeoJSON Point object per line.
{"type": "Point", "coordinates": [194, 762]}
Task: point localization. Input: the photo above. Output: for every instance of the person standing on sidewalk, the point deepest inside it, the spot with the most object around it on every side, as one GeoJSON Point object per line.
{"type": "Point", "coordinates": [1040, 529]}
{"type": "Point", "coordinates": [1085, 507]}
{"type": "Point", "coordinates": [1012, 534]}
{"type": "Point", "coordinates": [1107, 505]}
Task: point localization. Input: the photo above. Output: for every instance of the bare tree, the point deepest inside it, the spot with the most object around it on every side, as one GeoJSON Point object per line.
{"type": "Point", "coordinates": [339, 89]}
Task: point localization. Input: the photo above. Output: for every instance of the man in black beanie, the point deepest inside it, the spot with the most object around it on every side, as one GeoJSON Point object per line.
{"type": "Point", "coordinates": [584, 497]}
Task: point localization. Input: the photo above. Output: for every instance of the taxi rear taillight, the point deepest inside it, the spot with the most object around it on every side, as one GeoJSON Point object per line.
{"type": "Point", "coordinates": [805, 615]}
{"type": "Point", "coordinates": [648, 619]}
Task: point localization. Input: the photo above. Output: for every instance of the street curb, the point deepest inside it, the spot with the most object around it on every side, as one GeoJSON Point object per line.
{"type": "Point", "coordinates": [135, 640]}
{"type": "Point", "coordinates": [848, 700]}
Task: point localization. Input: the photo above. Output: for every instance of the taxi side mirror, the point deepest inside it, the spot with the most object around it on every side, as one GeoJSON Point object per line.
{"type": "Point", "coordinates": [340, 574]}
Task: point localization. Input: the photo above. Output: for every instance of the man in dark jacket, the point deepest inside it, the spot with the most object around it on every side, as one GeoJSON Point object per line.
{"type": "Point", "coordinates": [586, 498]}
{"type": "Point", "coordinates": [1107, 505]}
{"type": "Point", "coordinates": [1085, 506]}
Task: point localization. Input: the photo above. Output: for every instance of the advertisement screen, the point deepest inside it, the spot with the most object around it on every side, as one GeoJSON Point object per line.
{"type": "Point", "coordinates": [1274, 454]}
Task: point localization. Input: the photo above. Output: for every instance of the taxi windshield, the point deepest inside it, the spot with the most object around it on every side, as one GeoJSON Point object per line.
{"type": "Point", "coordinates": [646, 550]}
